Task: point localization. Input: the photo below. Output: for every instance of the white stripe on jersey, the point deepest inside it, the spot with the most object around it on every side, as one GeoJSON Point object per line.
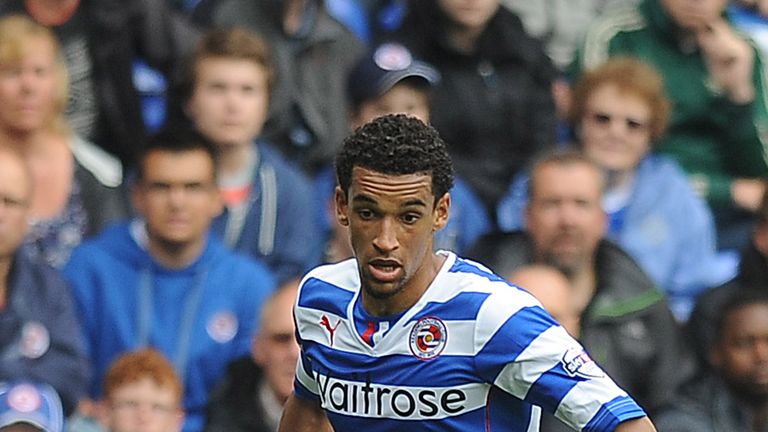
{"type": "Point", "coordinates": [544, 353]}
{"type": "Point", "coordinates": [585, 399]}
{"type": "Point", "coordinates": [346, 339]}
{"type": "Point", "coordinates": [497, 309]}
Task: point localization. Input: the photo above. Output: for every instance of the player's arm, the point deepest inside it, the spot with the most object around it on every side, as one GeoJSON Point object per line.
{"type": "Point", "coordinates": [642, 424]}
{"type": "Point", "coordinates": [301, 415]}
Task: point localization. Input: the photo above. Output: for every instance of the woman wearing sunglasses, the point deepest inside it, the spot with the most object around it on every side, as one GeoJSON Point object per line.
{"type": "Point", "coordinates": [618, 111]}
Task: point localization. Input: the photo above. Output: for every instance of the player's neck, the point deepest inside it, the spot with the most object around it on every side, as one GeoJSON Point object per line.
{"type": "Point", "coordinates": [410, 294]}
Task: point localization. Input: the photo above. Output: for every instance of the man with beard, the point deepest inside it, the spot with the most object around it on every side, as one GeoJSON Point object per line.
{"type": "Point", "coordinates": [733, 395]}
{"type": "Point", "coordinates": [625, 323]}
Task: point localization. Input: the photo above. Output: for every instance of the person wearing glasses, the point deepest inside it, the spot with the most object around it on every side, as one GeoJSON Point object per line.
{"type": "Point", "coordinates": [142, 392]}
{"type": "Point", "coordinates": [40, 336]}
{"type": "Point", "coordinates": [619, 111]}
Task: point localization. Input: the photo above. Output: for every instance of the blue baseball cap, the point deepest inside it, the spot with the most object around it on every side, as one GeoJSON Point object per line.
{"type": "Point", "coordinates": [382, 68]}
{"type": "Point", "coordinates": [31, 403]}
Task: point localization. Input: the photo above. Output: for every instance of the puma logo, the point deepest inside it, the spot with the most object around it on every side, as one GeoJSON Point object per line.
{"type": "Point", "coordinates": [325, 322]}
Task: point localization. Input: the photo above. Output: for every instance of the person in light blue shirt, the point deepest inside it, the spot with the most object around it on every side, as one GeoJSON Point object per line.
{"type": "Point", "coordinates": [619, 109]}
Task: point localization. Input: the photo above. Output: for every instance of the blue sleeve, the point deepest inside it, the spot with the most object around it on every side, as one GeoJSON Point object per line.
{"type": "Point", "coordinates": [614, 412]}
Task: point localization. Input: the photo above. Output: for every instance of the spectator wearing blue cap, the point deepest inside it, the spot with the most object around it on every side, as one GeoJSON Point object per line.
{"type": "Point", "coordinates": [386, 81]}
{"type": "Point", "coordinates": [28, 406]}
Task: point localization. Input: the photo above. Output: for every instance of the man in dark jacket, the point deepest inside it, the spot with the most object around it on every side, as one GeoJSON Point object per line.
{"type": "Point", "coordinates": [625, 323]}
{"type": "Point", "coordinates": [40, 337]}
{"type": "Point", "coordinates": [733, 394]}
{"type": "Point", "coordinates": [252, 395]}
{"type": "Point", "coordinates": [493, 105]}
{"type": "Point", "coordinates": [753, 273]}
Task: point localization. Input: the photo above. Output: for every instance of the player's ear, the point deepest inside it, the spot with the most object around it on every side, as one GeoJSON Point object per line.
{"type": "Point", "coordinates": [442, 209]}
{"type": "Point", "coordinates": [341, 206]}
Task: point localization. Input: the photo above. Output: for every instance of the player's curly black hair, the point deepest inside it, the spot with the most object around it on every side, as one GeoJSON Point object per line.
{"type": "Point", "coordinates": [396, 144]}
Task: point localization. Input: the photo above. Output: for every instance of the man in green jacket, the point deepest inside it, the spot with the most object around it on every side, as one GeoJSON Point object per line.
{"type": "Point", "coordinates": [716, 81]}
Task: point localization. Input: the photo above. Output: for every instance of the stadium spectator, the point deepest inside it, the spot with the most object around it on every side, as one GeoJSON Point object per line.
{"type": "Point", "coordinates": [100, 42]}
{"type": "Point", "coordinates": [29, 407]}
{"type": "Point", "coordinates": [619, 111]}
{"type": "Point", "coordinates": [716, 81]}
{"type": "Point", "coordinates": [142, 392]}
{"type": "Point", "coordinates": [752, 272]}
{"type": "Point", "coordinates": [312, 54]}
{"type": "Point", "coordinates": [268, 201]}
{"type": "Point", "coordinates": [40, 338]}
{"type": "Point", "coordinates": [733, 394]}
{"type": "Point", "coordinates": [162, 281]}
{"type": "Point", "coordinates": [493, 105]}
{"type": "Point", "coordinates": [76, 184]}
{"type": "Point", "coordinates": [402, 337]}
{"type": "Point", "coordinates": [553, 289]}
{"type": "Point", "coordinates": [251, 396]}
{"type": "Point", "coordinates": [625, 322]}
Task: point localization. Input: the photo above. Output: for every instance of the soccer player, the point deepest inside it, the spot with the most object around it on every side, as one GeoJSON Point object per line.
{"type": "Point", "coordinates": [402, 337]}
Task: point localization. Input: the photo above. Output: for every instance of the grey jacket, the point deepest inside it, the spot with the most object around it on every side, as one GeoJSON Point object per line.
{"type": "Point", "coordinates": [627, 327]}
{"type": "Point", "coordinates": [704, 405]}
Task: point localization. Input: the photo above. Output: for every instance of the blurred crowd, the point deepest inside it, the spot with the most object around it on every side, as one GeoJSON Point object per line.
{"type": "Point", "coordinates": [167, 177]}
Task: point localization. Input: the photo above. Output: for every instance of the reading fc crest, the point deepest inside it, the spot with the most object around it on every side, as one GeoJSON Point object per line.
{"type": "Point", "coordinates": [428, 338]}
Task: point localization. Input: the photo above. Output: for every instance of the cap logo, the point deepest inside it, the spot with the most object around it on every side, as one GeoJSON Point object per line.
{"type": "Point", "coordinates": [35, 340]}
{"type": "Point", "coordinates": [222, 327]}
{"type": "Point", "coordinates": [428, 338]}
{"type": "Point", "coordinates": [24, 398]}
{"type": "Point", "coordinates": [392, 57]}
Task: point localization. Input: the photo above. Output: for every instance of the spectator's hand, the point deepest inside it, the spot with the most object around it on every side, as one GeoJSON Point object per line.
{"type": "Point", "coordinates": [748, 193]}
{"type": "Point", "coordinates": [730, 60]}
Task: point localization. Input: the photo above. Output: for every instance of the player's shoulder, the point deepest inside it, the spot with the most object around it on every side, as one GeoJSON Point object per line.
{"type": "Point", "coordinates": [467, 276]}
{"type": "Point", "coordinates": [330, 287]}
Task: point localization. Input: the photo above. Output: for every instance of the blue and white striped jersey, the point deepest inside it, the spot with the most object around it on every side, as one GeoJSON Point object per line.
{"type": "Point", "coordinates": [475, 353]}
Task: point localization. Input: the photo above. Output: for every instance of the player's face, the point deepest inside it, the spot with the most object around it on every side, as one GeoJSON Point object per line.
{"type": "Point", "coordinates": [392, 219]}
{"type": "Point", "coordinates": [564, 216]}
{"type": "Point", "coordinates": [28, 88]}
{"type": "Point", "coordinates": [229, 100]}
{"type": "Point", "coordinates": [694, 14]}
{"type": "Point", "coordinates": [143, 406]}
{"type": "Point", "coordinates": [400, 99]}
{"type": "Point", "coordinates": [615, 129]}
{"type": "Point", "coordinates": [742, 353]}
{"type": "Point", "coordinates": [15, 194]}
{"type": "Point", "coordinates": [178, 196]}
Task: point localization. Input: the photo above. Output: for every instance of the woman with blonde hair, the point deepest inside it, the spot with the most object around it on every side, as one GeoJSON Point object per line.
{"type": "Point", "coordinates": [76, 185]}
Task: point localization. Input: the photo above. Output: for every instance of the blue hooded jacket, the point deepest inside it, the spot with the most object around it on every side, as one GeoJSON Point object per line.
{"type": "Point", "coordinates": [201, 317]}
